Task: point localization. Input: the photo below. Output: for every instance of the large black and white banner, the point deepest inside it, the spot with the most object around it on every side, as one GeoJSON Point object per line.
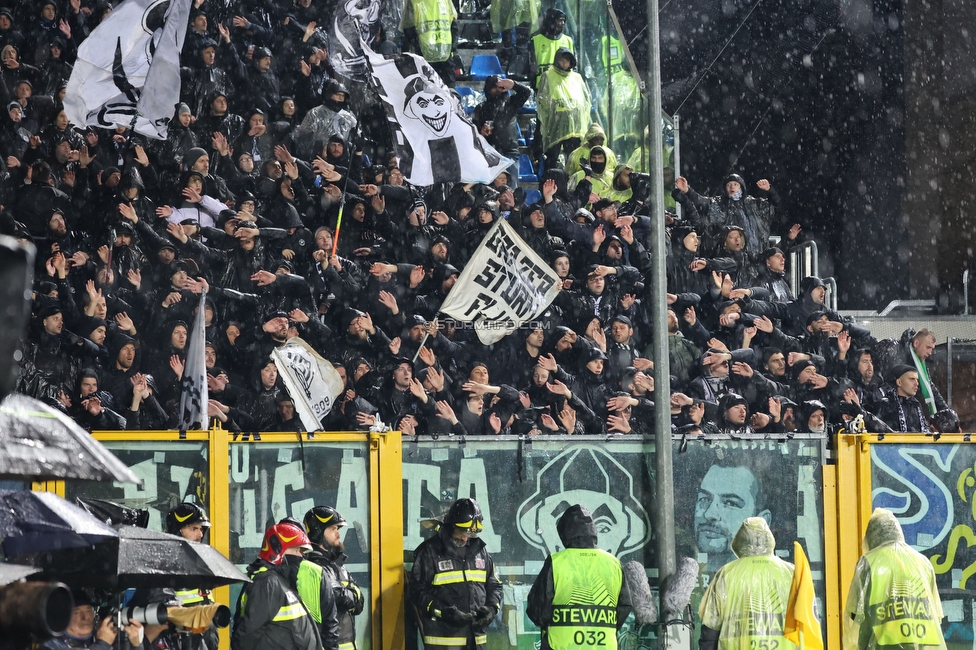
{"type": "Point", "coordinates": [435, 141]}
{"type": "Point", "coordinates": [195, 395]}
{"type": "Point", "coordinates": [505, 285]}
{"type": "Point", "coordinates": [129, 68]}
{"type": "Point", "coordinates": [351, 21]}
{"type": "Point", "coordinates": [311, 381]}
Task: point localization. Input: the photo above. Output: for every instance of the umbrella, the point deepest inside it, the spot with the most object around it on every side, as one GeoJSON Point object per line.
{"type": "Point", "coordinates": [40, 443]}
{"type": "Point", "coordinates": [113, 513]}
{"type": "Point", "coordinates": [14, 572]}
{"type": "Point", "coordinates": [140, 558]}
{"type": "Point", "coordinates": [32, 522]}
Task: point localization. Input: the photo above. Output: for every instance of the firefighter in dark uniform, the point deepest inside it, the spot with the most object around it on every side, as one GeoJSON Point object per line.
{"type": "Point", "coordinates": [580, 598]}
{"type": "Point", "coordinates": [453, 583]}
{"type": "Point", "coordinates": [190, 521]}
{"type": "Point", "coordinates": [279, 608]}
{"type": "Point", "coordinates": [323, 524]}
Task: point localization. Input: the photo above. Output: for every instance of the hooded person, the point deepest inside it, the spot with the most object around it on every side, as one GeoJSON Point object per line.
{"type": "Point", "coordinates": [733, 207]}
{"type": "Point", "coordinates": [595, 136]}
{"type": "Point", "coordinates": [745, 603]}
{"type": "Point", "coordinates": [454, 611]}
{"type": "Point", "coordinates": [597, 172]}
{"type": "Point", "coordinates": [579, 578]}
{"type": "Point", "coordinates": [563, 105]}
{"type": "Point", "coordinates": [893, 600]}
{"type": "Point", "coordinates": [546, 42]}
{"type": "Point", "coordinates": [330, 118]}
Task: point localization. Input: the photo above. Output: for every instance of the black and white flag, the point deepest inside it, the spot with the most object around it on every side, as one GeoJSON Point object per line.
{"type": "Point", "coordinates": [128, 69]}
{"type": "Point", "coordinates": [435, 140]}
{"type": "Point", "coordinates": [505, 285]}
{"type": "Point", "coordinates": [353, 21]}
{"type": "Point", "coordinates": [195, 396]}
{"type": "Point", "coordinates": [312, 382]}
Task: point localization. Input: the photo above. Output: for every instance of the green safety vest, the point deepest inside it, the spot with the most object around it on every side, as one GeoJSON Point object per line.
{"type": "Point", "coordinates": [900, 608]}
{"type": "Point", "coordinates": [586, 584]}
{"type": "Point", "coordinates": [545, 51]}
{"type": "Point", "coordinates": [310, 588]}
{"type": "Point", "coordinates": [191, 597]}
{"type": "Point", "coordinates": [616, 54]}
{"type": "Point", "coordinates": [433, 20]}
{"type": "Point", "coordinates": [746, 601]}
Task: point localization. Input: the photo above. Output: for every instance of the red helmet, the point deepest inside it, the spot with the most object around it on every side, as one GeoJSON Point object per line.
{"type": "Point", "coordinates": [281, 537]}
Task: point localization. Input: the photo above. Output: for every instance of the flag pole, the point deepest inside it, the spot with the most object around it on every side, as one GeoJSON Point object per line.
{"type": "Point", "coordinates": [342, 200]}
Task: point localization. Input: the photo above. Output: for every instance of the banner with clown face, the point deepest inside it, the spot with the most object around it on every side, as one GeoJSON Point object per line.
{"type": "Point", "coordinates": [434, 139]}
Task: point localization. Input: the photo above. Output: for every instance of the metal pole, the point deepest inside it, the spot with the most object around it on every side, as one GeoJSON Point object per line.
{"type": "Point", "coordinates": [659, 308]}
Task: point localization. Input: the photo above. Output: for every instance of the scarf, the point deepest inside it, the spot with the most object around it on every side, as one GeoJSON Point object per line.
{"type": "Point", "coordinates": [924, 383]}
{"type": "Point", "coordinates": [902, 421]}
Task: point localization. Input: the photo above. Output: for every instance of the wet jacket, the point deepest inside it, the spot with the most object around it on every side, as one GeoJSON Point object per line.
{"type": "Point", "coordinates": [444, 575]}
{"type": "Point", "coordinates": [563, 105]}
{"type": "Point", "coordinates": [348, 598]}
{"type": "Point", "coordinates": [579, 536]}
{"type": "Point", "coordinates": [893, 600]}
{"type": "Point", "coordinates": [745, 604]}
{"type": "Point", "coordinates": [270, 613]}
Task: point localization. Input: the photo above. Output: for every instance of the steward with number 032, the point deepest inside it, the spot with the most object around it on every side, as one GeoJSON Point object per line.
{"type": "Point", "coordinates": [580, 598]}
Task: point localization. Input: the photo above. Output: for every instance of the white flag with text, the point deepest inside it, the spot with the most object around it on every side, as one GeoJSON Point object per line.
{"type": "Point", "coordinates": [505, 285]}
{"type": "Point", "coordinates": [311, 381]}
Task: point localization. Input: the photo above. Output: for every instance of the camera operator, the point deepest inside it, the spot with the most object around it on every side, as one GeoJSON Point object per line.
{"type": "Point", "coordinates": [85, 631]}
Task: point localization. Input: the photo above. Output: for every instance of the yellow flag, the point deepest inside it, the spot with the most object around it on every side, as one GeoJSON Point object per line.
{"type": "Point", "coordinates": [801, 617]}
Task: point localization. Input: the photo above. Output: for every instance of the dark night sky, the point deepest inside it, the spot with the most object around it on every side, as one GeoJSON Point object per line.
{"type": "Point", "coordinates": [820, 82]}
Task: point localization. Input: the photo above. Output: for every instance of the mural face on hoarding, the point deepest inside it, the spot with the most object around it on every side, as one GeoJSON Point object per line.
{"type": "Point", "coordinates": [591, 477]}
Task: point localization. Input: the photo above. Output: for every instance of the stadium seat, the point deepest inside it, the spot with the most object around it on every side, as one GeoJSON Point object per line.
{"type": "Point", "coordinates": [467, 98]}
{"type": "Point", "coordinates": [532, 196]}
{"type": "Point", "coordinates": [521, 137]}
{"type": "Point", "coordinates": [526, 172]}
{"type": "Point", "coordinates": [485, 65]}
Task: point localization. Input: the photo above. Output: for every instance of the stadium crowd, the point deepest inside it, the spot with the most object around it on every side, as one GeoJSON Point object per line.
{"type": "Point", "coordinates": [242, 199]}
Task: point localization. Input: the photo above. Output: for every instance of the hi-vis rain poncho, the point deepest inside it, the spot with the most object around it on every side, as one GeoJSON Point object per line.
{"type": "Point", "coordinates": [746, 600]}
{"type": "Point", "coordinates": [893, 601]}
{"type": "Point", "coordinates": [562, 103]}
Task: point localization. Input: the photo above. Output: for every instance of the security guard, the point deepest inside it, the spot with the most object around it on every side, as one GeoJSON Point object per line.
{"type": "Point", "coordinates": [453, 584]}
{"type": "Point", "coordinates": [544, 44]}
{"type": "Point", "coordinates": [744, 607]}
{"type": "Point", "coordinates": [270, 611]}
{"type": "Point", "coordinates": [893, 601]}
{"type": "Point", "coordinates": [579, 598]}
{"type": "Point", "coordinates": [323, 524]}
{"type": "Point", "coordinates": [190, 521]}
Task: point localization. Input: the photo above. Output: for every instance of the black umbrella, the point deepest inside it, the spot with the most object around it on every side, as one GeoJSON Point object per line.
{"type": "Point", "coordinates": [140, 558]}
{"type": "Point", "coordinates": [39, 442]}
{"type": "Point", "coordinates": [33, 522]}
{"type": "Point", "coordinates": [114, 514]}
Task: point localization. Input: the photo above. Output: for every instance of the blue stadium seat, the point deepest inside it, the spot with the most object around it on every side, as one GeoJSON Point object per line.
{"type": "Point", "coordinates": [521, 137]}
{"type": "Point", "coordinates": [467, 98]}
{"type": "Point", "coordinates": [485, 65]}
{"type": "Point", "coordinates": [526, 172]}
{"type": "Point", "coordinates": [532, 196]}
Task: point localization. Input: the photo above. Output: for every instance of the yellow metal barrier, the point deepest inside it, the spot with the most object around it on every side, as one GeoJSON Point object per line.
{"type": "Point", "coordinates": [204, 469]}
{"type": "Point", "coordinates": [929, 484]}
